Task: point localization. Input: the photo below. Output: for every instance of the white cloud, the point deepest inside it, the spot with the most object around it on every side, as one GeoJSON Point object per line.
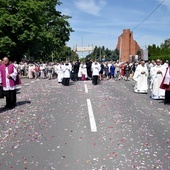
{"type": "Point", "coordinates": [90, 6]}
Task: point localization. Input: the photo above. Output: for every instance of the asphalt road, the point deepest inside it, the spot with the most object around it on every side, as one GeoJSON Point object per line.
{"type": "Point", "coordinates": [84, 127]}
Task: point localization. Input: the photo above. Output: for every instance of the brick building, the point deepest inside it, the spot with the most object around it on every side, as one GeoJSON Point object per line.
{"type": "Point", "coordinates": [127, 46]}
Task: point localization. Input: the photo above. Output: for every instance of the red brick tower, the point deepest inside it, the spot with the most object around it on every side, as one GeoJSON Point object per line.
{"type": "Point", "coordinates": [127, 45]}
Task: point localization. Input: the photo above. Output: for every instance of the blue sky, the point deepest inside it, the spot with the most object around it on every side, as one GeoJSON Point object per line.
{"type": "Point", "coordinates": [100, 22]}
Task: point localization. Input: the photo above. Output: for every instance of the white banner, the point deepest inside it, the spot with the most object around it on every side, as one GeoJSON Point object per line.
{"type": "Point", "coordinates": [83, 49]}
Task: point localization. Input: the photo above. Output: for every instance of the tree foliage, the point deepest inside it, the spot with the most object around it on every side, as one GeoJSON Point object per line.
{"type": "Point", "coordinates": [161, 52]}
{"type": "Point", "coordinates": [65, 54]}
{"type": "Point", "coordinates": [32, 28]}
{"type": "Point", "coordinates": [103, 54]}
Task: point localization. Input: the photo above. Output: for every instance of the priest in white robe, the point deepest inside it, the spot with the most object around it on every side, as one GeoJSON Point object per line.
{"type": "Point", "coordinates": [82, 74]}
{"type": "Point", "coordinates": [141, 78]}
{"type": "Point", "coordinates": [66, 73]}
{"type": "Point", "coordinates": [95, 72]}
{"type": "Point", "coordinates": [157, 74]}
{"type": "Point", "coordinates": [59, 70]}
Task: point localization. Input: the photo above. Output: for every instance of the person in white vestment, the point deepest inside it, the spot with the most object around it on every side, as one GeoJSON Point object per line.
{"type": "Point", "coordinates": [82, 74]}
{"type": "Point", "coordinates": [95, 72]}
{"type": "Point", "coordinates": [42, 71]}
{"type": "Point", "coordinates": [141, 78]}
{"type": "Point", "coordinates": [165, 84]}
{"type": "Point", "coordinates": [59, 68]}
{"type": "Point", "coordinates": [166, 64]}
{"type": "Point", "coordinates": [66, 73]}
{"type": "Point", "coordinates": [31, 71]}
{"type": "Point", "coordinates": [157, 74]}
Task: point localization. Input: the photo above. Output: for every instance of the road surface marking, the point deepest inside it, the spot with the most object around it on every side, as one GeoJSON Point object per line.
{"type": "Point", "coordinates": [91, 116]}
{"type": "Point", "coordinates": [86, 89]}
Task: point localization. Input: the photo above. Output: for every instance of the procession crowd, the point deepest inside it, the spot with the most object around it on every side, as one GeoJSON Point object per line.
{"type": "Point", "coordinates": [154, 75]}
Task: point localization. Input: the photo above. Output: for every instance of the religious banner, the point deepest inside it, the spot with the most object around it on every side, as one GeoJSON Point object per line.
{"type": "Point", "coordinates": [83, 49]}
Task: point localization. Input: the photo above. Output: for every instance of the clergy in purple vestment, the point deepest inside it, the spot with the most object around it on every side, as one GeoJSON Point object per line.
{"type": "Point", "coordinates": [9, 79]}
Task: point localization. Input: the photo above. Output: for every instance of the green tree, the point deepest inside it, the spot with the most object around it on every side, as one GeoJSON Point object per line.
{"type": "Point", "coordinates": [32, 27]}
{"type": "Point", "coordinates": [166, 43]}
{"type": "Point", "coordinates": [162, 52]}
{"type": "Point", "coordinates": [138, 53]}
{"type": "Point", "coordinates": [65, 54]}
{"type": "Point", "coordinates": [100, 52]}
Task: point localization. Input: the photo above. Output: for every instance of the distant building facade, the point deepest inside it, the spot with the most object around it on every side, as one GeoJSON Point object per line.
{"type": "Point", "coordinates": [127, 46]}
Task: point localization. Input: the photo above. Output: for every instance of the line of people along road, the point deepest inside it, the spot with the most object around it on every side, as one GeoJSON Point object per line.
{"type": "Point", "coordinates": [141, 72]}
{"type": "Point", "coordinates": [157, 72]}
